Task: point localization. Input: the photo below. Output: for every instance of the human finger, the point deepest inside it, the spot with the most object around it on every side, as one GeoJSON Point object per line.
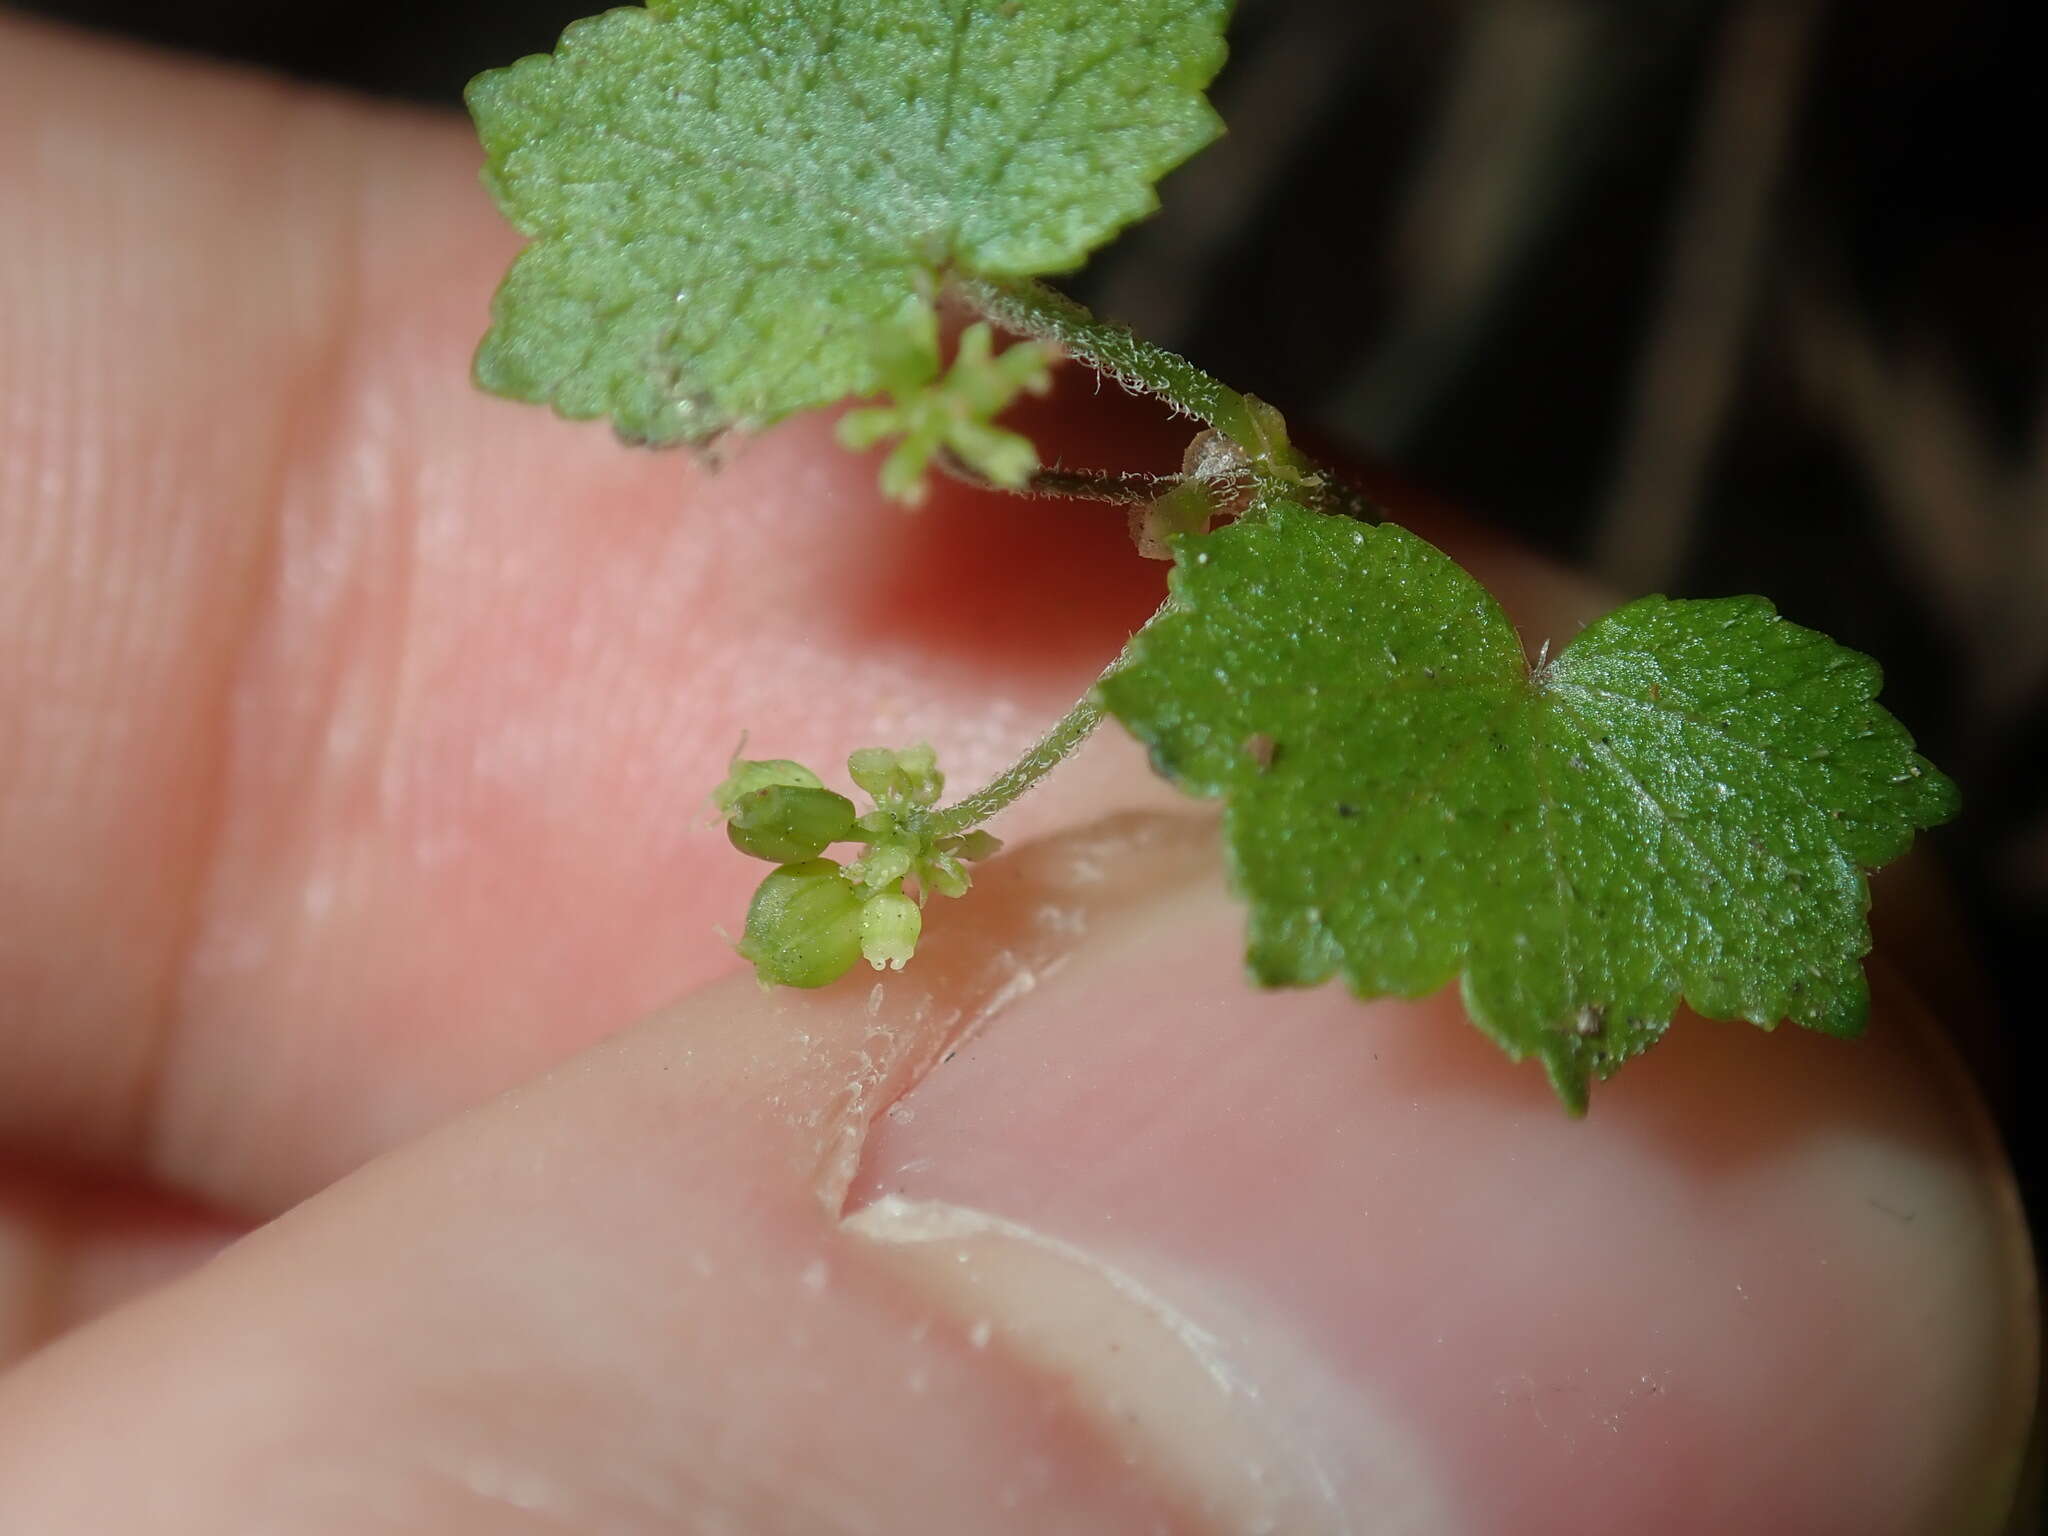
{"type": "Point", "coordinates": [1072, 1230]}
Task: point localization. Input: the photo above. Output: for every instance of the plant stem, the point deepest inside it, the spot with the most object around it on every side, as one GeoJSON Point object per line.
{"type": "Point", "coordinates": [1126, 488]}
{"type": "Point", "coordinates": [1052, 749]}
{"type": "Point", "coordinates": [1032, 309]}
{"type": "Point", "coordinates": [1044, 314]}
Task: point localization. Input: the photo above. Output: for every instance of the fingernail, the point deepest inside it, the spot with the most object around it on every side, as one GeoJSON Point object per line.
{"type": "Point", "coordinates": [1147, 1363]}
{"type": "Point", "coordinates": [1316, 1265]}
{"type": "Point", "coordinates": [1173, 1372]}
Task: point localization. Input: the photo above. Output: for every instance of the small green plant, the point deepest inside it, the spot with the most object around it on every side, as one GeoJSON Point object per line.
{"type": "Point", "coordinates": [743, 209]}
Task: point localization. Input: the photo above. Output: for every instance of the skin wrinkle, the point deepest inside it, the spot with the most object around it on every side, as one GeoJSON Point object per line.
{"type": "Point", "coordinates": [121, 1111]}
{"type": "Point", "coordinates": [281, 273]}
{"type": "Point", "coordinates": [308, 131]}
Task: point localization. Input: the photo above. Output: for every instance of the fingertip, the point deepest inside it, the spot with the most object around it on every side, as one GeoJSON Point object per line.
{"type": "Point", "coordinates": [1770, 1282]}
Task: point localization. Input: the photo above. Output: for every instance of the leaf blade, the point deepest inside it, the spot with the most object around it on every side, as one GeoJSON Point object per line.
{"type": "Point", "coordinates": [1682, 805]}
{"type": "Point", "coordinates": [730, 200]}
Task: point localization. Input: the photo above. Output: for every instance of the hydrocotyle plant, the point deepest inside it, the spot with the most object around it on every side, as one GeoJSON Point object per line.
{"type": "Point", "coordinates": [743, 209]}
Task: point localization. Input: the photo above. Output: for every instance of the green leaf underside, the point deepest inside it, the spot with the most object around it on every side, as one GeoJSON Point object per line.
{"type": "Point", "coordinates": [730, 199]}
{"type": "Point", "coordinates": [1682, 804]}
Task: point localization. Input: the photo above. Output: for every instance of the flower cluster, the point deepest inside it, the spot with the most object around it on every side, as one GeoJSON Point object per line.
{"type": "Point", "coordinates": [952, 412]}
{"type": "Point", "coordinates": [812, 918]}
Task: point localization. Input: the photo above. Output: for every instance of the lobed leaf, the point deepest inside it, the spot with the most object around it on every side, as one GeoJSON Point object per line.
{"type": "Point", "coordinates": [1681, 805]}
{"type": "Point", "coordinates": [730, 201]}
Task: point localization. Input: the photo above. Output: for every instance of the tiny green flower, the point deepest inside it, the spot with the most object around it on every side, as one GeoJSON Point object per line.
{"type": "Point", "coordinates": [743, 777]}
{"type": "Point", "coordinates": [951, 412]}
{"type": "Point", "coordinates": [889, 926]}
{"type": "Point", "coordinates": [897, 779]}
{"type": "Point", "coordinates": [789, 823]}
{"type": "Point", "coordinates": [805, 927]}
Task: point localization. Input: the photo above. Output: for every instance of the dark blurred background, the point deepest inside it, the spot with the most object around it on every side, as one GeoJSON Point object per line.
{"type": "Point", "coordinates": [1709, 295]}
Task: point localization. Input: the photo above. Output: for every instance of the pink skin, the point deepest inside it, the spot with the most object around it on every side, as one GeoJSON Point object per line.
{"type": "Point", "coordinates": [353, 733]}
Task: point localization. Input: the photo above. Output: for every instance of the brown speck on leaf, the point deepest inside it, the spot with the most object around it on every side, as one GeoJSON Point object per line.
{"type": "Point", "coordinates": [1260, 749]}
{"type": "Point", "coordinates": [1656, 692]}
{"type": "Point", "coordinates": [1590, 1022]}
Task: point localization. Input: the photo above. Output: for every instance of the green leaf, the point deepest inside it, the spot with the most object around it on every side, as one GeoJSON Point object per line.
{"type": "Point", "coordinates": [731, 200]}
{"type": "Point", "coordinates": [1681, 804]}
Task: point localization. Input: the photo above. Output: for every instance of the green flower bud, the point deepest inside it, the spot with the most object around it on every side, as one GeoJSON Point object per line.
{"type": "Point", "coordinates": [804, 928]}
{"type": "Point", "coordinates": [912, 774]}
{"type": "Point", "coordinates": [943, 874]}
{"type": "Point", "coordinates": [882, 867]}
{"type": "Point", "coordinates": [789, 823]}
{"type": "Point", "coordinates": [919, 766]}
{"type": "Point", "coordinates": [874, 770]}
{"type": "Point", "coordinates": [745, 777]}
{"type": "Point", "coordinates": [889, 926]}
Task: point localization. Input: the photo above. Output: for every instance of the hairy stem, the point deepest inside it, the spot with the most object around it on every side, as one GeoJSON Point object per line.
{"type": "Point", "coordinates": [1032, 309]}
{"type": "Point", "coordinates": [1259, 432]}
{"type": "Point", "coordinates": [1125, 488]}
{"type": "Point", "coordinates": [1052, 749]}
